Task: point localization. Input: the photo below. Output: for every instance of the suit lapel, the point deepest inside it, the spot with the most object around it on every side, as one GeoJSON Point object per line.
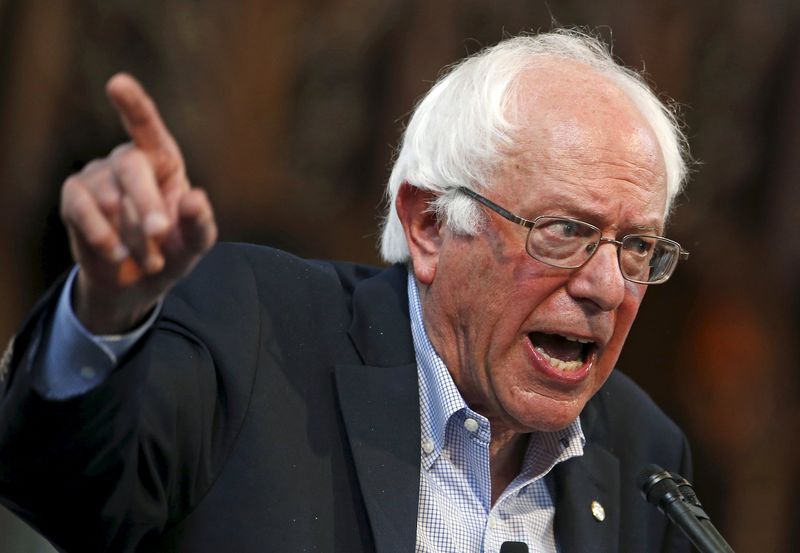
{"type": "Point", "coordinates": [379, 400]}
{"type": "Point", "coordinates": [588, 496]}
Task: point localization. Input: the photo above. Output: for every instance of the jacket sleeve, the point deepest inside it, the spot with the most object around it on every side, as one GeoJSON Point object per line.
{"type": "Point", "coordinates": [108, 468]}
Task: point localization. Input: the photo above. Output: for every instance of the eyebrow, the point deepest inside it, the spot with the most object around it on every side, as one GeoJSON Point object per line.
{"type": "Point", "coordinates": [642, 229]}
{"type": "Point", "coordinates": [594, 218]}
{"type": "Point", "coordinates": [576, 212]}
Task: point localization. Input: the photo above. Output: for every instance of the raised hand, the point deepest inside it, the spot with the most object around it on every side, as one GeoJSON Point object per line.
{"type": "Point", "coordinates": [135, 224]}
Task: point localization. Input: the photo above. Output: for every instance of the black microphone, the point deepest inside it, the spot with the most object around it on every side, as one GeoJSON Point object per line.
{"type": "Point", "coordinates": [513, 547]}
{"type": "Point", "coordinates": [675, 497]}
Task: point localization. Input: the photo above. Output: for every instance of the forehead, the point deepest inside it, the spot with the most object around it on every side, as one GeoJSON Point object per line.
{"type": "Point", "coordinates": [582, 146]}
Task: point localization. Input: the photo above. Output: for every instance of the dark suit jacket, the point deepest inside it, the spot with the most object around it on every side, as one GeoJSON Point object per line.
{"type": "Point", "coordinates": [274, 407]}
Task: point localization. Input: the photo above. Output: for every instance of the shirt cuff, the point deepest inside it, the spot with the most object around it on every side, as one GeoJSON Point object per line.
{"type": "Point", "coordinates": [75, 361]}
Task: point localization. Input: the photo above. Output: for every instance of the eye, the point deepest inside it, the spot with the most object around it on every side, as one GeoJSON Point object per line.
{"type": "Point", "coordinates": [565, 228]}
{"type": "Point", "coordinates": [641, 245]}
{"type": "Point", "coordinates": [568, 229]}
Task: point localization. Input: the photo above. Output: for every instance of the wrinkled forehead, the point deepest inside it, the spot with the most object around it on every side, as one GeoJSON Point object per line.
{"type": "Point", "coordinates": [580, 146]}
{"type": "Point", "coordinates": [567, 105]}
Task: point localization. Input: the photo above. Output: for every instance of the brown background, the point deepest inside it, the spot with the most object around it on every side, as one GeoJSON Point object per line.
{"type": "Point", "coordinates": [288, 111]}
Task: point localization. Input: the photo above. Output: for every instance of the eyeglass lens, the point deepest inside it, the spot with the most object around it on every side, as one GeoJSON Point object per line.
{"type": "Point", "coordinates": [569, 244]}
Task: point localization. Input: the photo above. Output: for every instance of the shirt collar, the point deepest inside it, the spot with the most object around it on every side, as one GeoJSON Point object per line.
{"type": "Point", "coordinates": [440, 399]}
{"type": "Point", "coordinates": [438, 395]}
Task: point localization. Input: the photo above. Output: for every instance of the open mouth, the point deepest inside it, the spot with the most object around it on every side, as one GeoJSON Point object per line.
{"type": "Point", "coordinates": [565, 353]}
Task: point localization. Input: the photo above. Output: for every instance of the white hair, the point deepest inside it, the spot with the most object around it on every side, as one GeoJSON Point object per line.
{"type": "Point", "coordinates": [461, 128]}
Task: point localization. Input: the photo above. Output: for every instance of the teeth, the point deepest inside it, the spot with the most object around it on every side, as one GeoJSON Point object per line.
{"type": "Point", "coordinates": [567, 366]}
{"type": "Point", "coordinates": [579, 340]}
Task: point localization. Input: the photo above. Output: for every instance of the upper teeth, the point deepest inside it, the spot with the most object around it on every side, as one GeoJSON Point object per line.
{"type": "Point", "coordinates": [580, 340]}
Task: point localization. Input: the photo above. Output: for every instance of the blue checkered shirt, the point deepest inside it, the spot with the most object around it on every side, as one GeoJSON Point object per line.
{"type": "Point", "coordinates": [455, 512]}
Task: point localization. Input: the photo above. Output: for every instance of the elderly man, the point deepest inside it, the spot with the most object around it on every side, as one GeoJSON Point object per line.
{"type": "Point", "coordinates": [171, 396]}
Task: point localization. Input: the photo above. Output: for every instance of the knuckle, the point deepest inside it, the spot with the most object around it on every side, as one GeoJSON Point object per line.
{"type": "Point", "coordinates": [94, 166]}
{"type": "Point", "coordinates": [170, 163]}
{"type": "Point", "coordinates": [71, 183]}
{"type": "Point", "coordinates": [100, 179]}
{"type": "Point", "coordinates": [108, 198]}
{"type": "Point", "coordinates": [71, 191]}
{"type": "Point", "coordinates": [79, 208]}
{"type": "Point", "coordinates": [129, 164]}
{"type": "Point", "coordinates": [120, 150]}
{"type": "Point", "coordinates": [99, 239]}
{"type": "Point", "coordinates": [124, 154]}
{"type": "Point", "coordinates": [79, 211]}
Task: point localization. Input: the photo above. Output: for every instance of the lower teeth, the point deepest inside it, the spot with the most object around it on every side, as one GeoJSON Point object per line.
{"type": "Point", "coordinates": [567, 366]}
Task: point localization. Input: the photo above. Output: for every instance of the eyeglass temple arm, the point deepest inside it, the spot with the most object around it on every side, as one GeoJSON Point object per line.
{"type": "Point", "coordinates": [496, 208]}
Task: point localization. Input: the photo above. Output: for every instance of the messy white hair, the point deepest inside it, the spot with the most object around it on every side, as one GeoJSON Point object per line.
{"type": "Point", "coordinates": [463, 125]}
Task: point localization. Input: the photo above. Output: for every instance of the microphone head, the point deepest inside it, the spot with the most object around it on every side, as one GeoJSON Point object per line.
{"type": "Point", "coordinates": [513, 547]}
{"type": "Point", "coordinates": [648, 475]}
{"type": "Point", "coordinates": [658, 486]}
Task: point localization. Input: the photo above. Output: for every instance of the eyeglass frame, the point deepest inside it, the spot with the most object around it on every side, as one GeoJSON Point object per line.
{"type": "Point", "coordinates": [530, 224]}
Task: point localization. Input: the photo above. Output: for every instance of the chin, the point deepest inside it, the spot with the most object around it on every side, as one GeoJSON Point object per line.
{"type": "Point", "coordinates": [547, 415]}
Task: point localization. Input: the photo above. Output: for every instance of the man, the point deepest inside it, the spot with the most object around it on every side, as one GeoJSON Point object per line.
{"type": "Point", "coordinates": [462, 398]}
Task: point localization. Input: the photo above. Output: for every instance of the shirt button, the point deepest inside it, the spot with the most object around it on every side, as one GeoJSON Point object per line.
{"type": "Point", "coordinates": [492, 523]}
{"type": "Point", "coordinates": [471, 425]}
{"type": "Point", "coordinates": [88, 373]}
{"type": "Point", "coordinates": [427, 446]}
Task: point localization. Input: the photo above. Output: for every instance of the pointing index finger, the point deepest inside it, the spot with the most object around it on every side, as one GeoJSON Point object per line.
{"type": "Point", "coordinates": [143, 123]}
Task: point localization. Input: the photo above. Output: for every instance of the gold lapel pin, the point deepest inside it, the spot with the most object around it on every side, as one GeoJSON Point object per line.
{"type": "Point", "coordinates": [598, 512]}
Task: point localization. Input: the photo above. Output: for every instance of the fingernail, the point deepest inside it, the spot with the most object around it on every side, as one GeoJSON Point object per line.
{"type": "Point", "coordinates": [155, 223]}
{"type": "Point", "coordinates": [119, 253]}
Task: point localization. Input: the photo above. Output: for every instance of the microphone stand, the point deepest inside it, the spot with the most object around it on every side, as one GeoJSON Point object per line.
{"type": "Point", "coordinates": [676, 498]}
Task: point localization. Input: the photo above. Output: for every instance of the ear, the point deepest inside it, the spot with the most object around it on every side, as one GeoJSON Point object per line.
{"type": "Point", "coordinates": [421, 228]}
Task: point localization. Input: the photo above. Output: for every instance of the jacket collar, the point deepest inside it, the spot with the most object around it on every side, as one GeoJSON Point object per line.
{"type": "Point", "coordinates": [587, 494]}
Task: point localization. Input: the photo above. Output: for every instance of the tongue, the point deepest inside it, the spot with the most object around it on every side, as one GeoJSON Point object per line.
{"type": "Point", "coordinates": [557, 346]}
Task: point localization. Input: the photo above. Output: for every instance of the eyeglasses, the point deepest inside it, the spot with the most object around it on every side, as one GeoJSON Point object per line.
{"type": "Point", "coordinates": [569, 243]}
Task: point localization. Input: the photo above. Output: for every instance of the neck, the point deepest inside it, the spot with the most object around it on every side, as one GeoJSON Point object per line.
{"type": "Point", "coordinates": [506, 453]}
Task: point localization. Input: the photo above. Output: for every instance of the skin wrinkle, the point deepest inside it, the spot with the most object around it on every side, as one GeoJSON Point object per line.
{"type": "Point", "coordinates": [592, 167]}
{"type": "Point", "coordinates": [597, 188]}
{"type": "Point", "coordinates": [575, 169]}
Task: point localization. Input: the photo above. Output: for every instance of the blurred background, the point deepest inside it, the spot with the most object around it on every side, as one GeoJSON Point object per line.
{"type": "Point", "coordinates": [288, 112]}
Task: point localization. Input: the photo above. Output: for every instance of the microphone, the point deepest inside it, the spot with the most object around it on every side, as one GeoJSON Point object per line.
{"type": "Point", "coordinates": [513, 547]}
{"type": "Point", "coordinates": [675, 497]}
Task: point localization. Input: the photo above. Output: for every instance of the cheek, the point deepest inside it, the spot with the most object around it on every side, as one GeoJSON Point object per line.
{"type": "Point", "coordinates": [532, 282]}
{"type": "Point", "coordinates": [626, 314]}
{"type": "Point", "coordinates": [499, 281]}
{"type": "Point", "coordinates": [531, 289]}
{"type": "Point", "coordinates": [630, 305]}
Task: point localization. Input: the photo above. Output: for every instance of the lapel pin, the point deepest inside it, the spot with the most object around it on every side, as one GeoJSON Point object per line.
{"type": "Point", "coordinates": [598, 512]}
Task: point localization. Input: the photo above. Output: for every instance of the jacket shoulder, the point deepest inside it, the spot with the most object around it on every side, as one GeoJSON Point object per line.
{"type": "Point", "coordinates": [633, 426]}
{"type": "Point", "coordinates": [269, 265]}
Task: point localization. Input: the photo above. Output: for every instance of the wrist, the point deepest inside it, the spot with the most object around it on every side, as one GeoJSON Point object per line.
{"type": "Point", "coordinates": [106, 312]}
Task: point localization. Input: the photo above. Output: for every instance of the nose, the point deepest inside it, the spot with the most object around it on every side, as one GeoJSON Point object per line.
{"type": "Point", "coordinates": [600, 279]}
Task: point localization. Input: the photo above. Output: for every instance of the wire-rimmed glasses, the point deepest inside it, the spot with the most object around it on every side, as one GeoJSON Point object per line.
{"type": "Point", "coordinates": [569, 243]}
